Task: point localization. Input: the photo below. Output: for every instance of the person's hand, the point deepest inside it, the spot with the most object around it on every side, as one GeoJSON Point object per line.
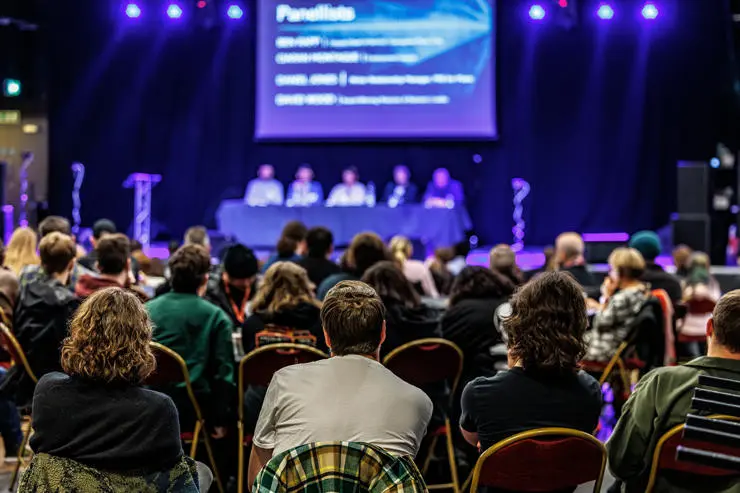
{"type": "Point", "coordinates": [609, 286]}
{"type": "Point", "coordinates": [218, 432]}
{"type": "Point", "coordinates": [592, 304]}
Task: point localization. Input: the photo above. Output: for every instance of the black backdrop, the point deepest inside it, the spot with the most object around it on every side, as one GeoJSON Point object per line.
{"type": "Point", "coordinates": [594, 118]}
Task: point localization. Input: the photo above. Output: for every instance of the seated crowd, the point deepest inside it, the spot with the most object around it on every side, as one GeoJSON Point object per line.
{"type": "Point", "coordinates": [86, 321]}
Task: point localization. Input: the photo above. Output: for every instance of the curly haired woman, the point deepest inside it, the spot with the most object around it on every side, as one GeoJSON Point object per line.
{"type": "Point", "coordinates": [96, 412]}
{"type": "Point", "coordinates": [543, 386]}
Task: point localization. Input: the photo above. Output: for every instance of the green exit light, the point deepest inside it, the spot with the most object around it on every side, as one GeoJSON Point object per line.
{"type": "Point", "coordinates": [11, 88]}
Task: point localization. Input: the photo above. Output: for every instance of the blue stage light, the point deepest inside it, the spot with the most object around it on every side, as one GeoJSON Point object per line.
{"type": "Point", "coordinates": [605, 12]}
{"type": "Point", "coordinates": [650, 11]}
{"type": "Point", "coordinates": [537, 12]}
{"type": "Point", "coordinates": [714, 163]}
{"type": "Point", "coordinates": [174, 11]}
{"type": "Point", "coordinates": [235, 12]}
{"type": "Point", "coordinates": [133, 11]}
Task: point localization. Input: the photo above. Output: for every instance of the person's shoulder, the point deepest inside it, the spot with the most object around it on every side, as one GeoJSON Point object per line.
{"type": "Point", "coordinates": [588, 382]}
{"type": "Point", "coordinates": [52, 381]}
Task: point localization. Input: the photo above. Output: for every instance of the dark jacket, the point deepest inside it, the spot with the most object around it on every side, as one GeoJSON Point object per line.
{"type": "Point", "coordinates": [90, 262]}
{"type": "Point", "coordinates": [304, 316]}
{"type": "Point", "coordinates": [318, 269]}
{"type": "Point", "coordinates": [216, 294]}
{"type": "Point", "coordinates": [40, 324]}
{"type": "Point", "coordinates": [410, 197]}
{"type": "Point", "coordinates": [404, 324]}
{"type": "Point", "coordinates": [657, 278]}
{"type": "Point", "coordinates": [469, 324]}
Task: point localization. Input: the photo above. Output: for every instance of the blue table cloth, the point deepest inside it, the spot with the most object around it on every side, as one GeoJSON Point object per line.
{"type": "Point", "coordinates": [261, 226]}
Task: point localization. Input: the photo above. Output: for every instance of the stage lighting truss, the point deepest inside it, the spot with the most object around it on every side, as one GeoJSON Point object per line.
{"type": "Point", "coordinates": [566, 12]}
{"type": "Point", "coordinates": [205, 12]}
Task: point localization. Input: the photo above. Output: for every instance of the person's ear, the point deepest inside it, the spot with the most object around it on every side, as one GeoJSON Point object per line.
{"type": "Point", "coordinates": [71, 265]}
{"type": "Point", "coordinates": [710, 327]}
{"type": "Point", "coordinates": [327, 339]}
{"type": "Point", "coordinates": [128, 264]}
{"type": "Point", "coordinates": [382, 334]}
{"type": "Point", "coordinates": [97, 266]}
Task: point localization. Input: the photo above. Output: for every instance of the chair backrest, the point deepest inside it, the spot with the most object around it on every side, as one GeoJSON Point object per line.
{"type": "Point", "coordinates": [172, 370]}
{"type": "Point", "coordinates": [342, 467]}
{"type": "Point", "coordinates": [544, 459]}
{"type": "Point", "coordinates": [426, 361]}
{"type": "Point", "coordinates": [664, 455]}
{"type": "Point", "coordinates": [13, 347]}
{"type": "Point", "coordinates": [648, 334]}
{"type": "Point", "coordinates": [258, 366]}
{"type": "Point", "coordinates": [700, 306]}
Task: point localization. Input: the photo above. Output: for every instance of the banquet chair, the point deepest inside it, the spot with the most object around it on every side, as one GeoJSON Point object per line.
{"type": "Point", "coordinates": [172, 370]}
{"type": "Point", "coordinates": [256, 369]}
{"type": "Point", "coordinates": [13, 347]}
{"type": "Point", "coordinates": [424, 362]}
{"type": "Point", "coordinates": [543, 459]}
{"type": "Point", "coordinates": [664, 455]}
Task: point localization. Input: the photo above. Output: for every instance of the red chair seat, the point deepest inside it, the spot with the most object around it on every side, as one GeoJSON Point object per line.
{"type": "Point", "coordinates": [247, 440]}
{"type": "Point", "coordinates": [683, 338]}
{"type": "Point", "coordinates": [593, 365]}
{"type": "Point", "coordinates": [438, 432]}
{"type": "Point", "coordinates": [634, 364]}
{"type": "Point", "coordinates": [187, 436]}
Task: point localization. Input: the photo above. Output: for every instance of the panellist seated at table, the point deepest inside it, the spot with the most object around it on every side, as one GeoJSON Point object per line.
{"type": "Point", "coordinates": [265, 189]}
{"type": "Point", "coordinates": [400, 191]}
{"type": "Point", "coordinates": [350, 192]}
{"type": "Point", "coordinates": [443, 192]}
{"type": "Point", "coordinates": [304, 192]}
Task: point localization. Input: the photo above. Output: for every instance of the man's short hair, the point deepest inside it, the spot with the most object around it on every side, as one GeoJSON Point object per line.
{"type": "Point", "coordinates": [570, 245]}
{"type": "Point", "coordinates": [197, 235]}
{"type": "Point", "coordinates": [56, 250]}
{"type": "Point", "coordinates": [113, 253]}
{"type": "Point", "coordinates": [319, 241]}
{"type": "Point", "coordinates": [102, 227]}
{"type": "Point", "coordinates": [366, 250]}
{"type": "Point", "coordinates": [188, 267]}
{"type": "Point", "coordinates": [53, 224]}
{"type": "Point", "coordinates": [726, 318]}
{"type": "Point", "coordinates": [240, 262]}
{"type": "Point", "coordinates": [352, 315]}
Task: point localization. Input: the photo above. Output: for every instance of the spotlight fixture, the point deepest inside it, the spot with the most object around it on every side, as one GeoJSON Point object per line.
{"type": "Point", "coordinates": [174, 11]}
{"type": "Point", "coordinates": [133, 11]}
{"type": "Point", "coordinates": [234, 12]}
{"type": "Point", "coordinates": [605, 12]}
{"type": "Point", "coordinates": [537, 12]}
{"type": "Point", "coordinates": [650, 11]}
{"type": "Point", "coordinates": [11, 88]}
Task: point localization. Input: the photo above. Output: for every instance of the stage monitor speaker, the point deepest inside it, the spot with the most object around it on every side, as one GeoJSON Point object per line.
{"type": "Point", "coordinates": [693, 230]}
{"type": "Point", "coordinates": [693, 187]}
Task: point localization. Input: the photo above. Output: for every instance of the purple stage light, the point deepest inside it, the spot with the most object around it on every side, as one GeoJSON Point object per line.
{"type": "Point", "coordinates": [606, 237]}
{"type": "Point", "coordinates": [235, 12]}
{"type": "Point", "coordinates": [133, 11]}
{"type": "Point", "coordinates": [537, 12]}
{"type": "Point", "coordinates": [605, 12]}
{"type": "Point", "coordinates": [174, 11]}
{"type": "Point", "coordinates": [650, 11]}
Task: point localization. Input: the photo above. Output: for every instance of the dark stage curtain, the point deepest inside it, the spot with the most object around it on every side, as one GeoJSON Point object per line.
{"type": "Point", "coordinates": [594, 118]}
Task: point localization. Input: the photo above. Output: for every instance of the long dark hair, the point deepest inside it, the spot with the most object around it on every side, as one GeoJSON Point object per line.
{"type": "Point", "coordinates": [475, 282]}
{"type": "Point", "coordinates": [391, 284]}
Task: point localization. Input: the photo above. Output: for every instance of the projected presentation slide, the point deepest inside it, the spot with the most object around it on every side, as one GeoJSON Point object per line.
{"type": "Point", "coordinates": [374, 69]}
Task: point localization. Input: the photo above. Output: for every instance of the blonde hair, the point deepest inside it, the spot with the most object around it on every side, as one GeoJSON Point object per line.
{"type": "Point", "coordinates": [502, 258]}
{"type": "Point", "coordinates": [285, 285]}
{"type": "Point", "coordinates": [401, 248]}
{"type": "Point", "coordinates": [21, 250]}
{"type": "Point", "coordinates": [628, 262]}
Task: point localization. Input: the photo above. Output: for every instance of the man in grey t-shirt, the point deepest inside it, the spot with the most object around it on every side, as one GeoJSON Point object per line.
{"type": "Point", "coordinates": [349, 397]}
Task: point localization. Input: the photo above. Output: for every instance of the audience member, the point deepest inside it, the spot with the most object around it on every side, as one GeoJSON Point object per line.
{"type": "Point", "coordinates": [284, 299]}
{"type": "Point", "coordinates": [662, 399]}
{"type": "Point", "coordinates": [503, 262]}
{"type": "Point", "coordinates": [9, 287]}
{"type": "Point", "coordinates": [291, 246]}
{"type": "Point", "coordinates": [113, 262]}
{"type": "Point", "coordinates": [700, 286]}
{"type": "Point", "coordinates": [625, 296]}
{"type": "Point", "coordinates": [230, 287]}
{"type": "Point", "coordinates": [317, 261]}
{"type": "Point", "coordinates": [548, 266]}
{"type": "Point", "coordinates": [101, 229]}
{"type": "Point", "coordinates": [21, 250]}
{"type": "Point", "coordinates": [459, 260]}
{"type": "Point", "coordinates": [196, 235]}
{"type": "Point", "coordinates": [406, 318]}
{"type": "Point", "coordinates": [349, 397]}
{"type": "Point", "coordinates": [569, 251]}
{"type": "Point", "coordinates": [543, 387]}
{"type": "Point", "coordinates": [96, 412]}
{"type": "Point", "coordinates": [54, 224]}
{"type": "Point", "coordinates": [366, 250]}
{"type": "Point", "coordinates": [681, 257]}
{"type": "Point", "coordinates": [265, 189]}
{"type": "Point", "coordinates": [649, 245]}
{"type": "Point", "coordinates": [200, 332]}
{"type": "Point", "coordinates": [443, 192]}
{"type": "Point", "coordinates": [401, 190]}
{"type": "Point", "coordinates": [437, 265]}
{"type": "Point", "coordinates": [304, 191]}
{"type": "Point", "coordinates": [468, 322]}
{"type": "Point", "coordinates": [348, 193]}
{"type": "Point", "coordinates": [414, 270]}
